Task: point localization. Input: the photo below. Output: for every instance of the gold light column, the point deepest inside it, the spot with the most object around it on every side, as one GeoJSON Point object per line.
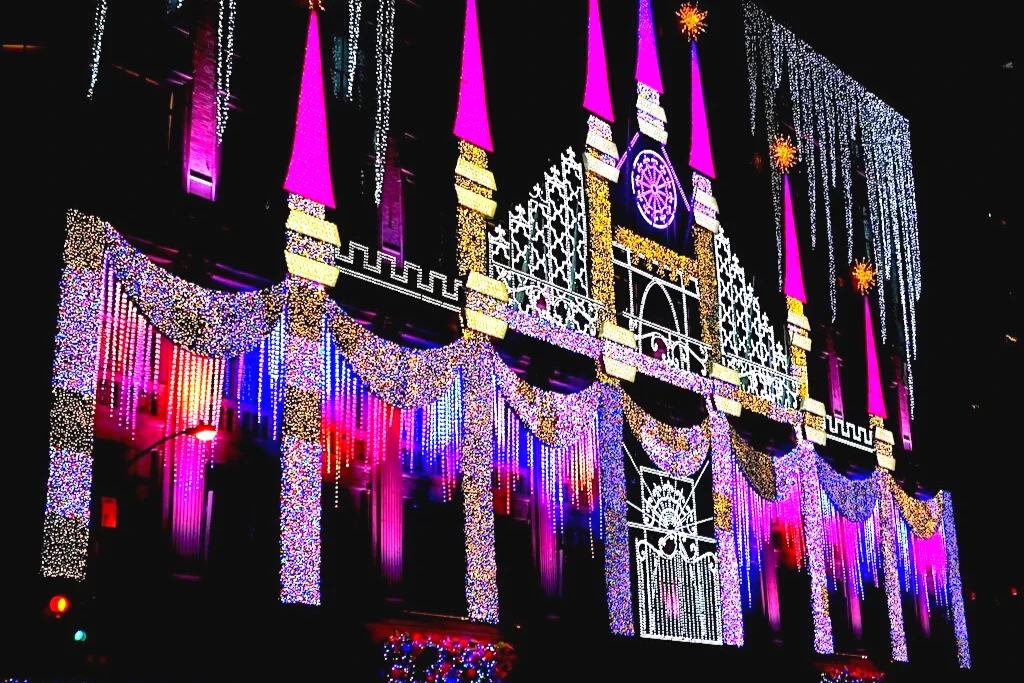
{"type": "Point", "coordinates": [600, 160]}
{"type": "Point", "coordinates": [799, 345]}
{"type": "Point", "coordinates": [474, 189]}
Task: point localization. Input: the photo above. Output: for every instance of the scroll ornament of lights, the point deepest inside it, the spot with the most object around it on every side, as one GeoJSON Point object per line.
{"type": "Point", "coordinates": [654, 190]}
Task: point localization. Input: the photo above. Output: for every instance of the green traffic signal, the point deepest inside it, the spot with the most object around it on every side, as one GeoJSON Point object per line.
{"type": "Point", "coordinates": [80, 636]}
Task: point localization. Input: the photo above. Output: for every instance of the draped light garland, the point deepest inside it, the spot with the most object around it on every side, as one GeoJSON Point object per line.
{"type": "Point", "coordinates": [829, 111]}
{"type": "Point", "coordinates": [854, 499]}
{"type": "Point", "coordinates": [204, 321]}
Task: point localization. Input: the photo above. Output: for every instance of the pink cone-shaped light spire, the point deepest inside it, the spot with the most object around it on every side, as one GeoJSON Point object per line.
{"type": "Point", "coordinates": [597, 98]}
{"type": "Point", "coordinates": [471, 122]}
{"type": "Point", "coordinates": [876, 401]}
{"type": "Point", "coordinates": [647, 71]}
{"type": "Point", "coordinates": [309, 171]}
{"type": "Point", "coordinates": [793, 284]}
{"type": "Point", "coordinates": [700, 142]}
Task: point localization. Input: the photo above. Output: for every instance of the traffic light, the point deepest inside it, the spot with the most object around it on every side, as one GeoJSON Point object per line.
{"type": "Point", "coordinates": [80, 636]}
{"type": "Point", "coordinates": [59, 605]}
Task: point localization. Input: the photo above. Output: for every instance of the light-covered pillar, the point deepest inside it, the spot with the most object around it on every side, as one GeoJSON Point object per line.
{"type": "Point", "coordinates": [72, 414]}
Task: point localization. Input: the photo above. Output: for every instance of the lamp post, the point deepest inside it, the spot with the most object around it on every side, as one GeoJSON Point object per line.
{"type": "Point", "coordinates": [201, 432]}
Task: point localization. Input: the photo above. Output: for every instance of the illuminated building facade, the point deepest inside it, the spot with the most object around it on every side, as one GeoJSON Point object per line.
{"type": "Point", "coordinates": [584, 406]}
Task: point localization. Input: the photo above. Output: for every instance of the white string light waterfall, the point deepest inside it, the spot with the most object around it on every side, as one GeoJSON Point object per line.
{"type": "Point", "coordinates": [829, 109]}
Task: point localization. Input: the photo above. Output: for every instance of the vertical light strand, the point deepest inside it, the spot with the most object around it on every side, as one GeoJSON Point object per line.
{"type": "Point", "coordinates": [75, 376]}
{"type": "Point", "coordinates": [477, 461]}
{"type": "Point", "coordinates": [225, 60]}
{"type": "Point", "coordinates": [301, 452]}
{"type": "Point", "coordinates": [954, 587]}
{"type": "Point", "coordinates": [384, 63]}
{"type": "Point", "coordinates": [832, 113]}
{"type": "Point", "coordinates": [98, 29]}
{"type": "Point", "coordinates": [890, 572]}
{"type": "Point", "coordinates": [195, 387]}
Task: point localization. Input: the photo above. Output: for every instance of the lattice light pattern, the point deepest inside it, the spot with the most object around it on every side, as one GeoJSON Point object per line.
{"type": "Point", "coordinates": [543, 255]}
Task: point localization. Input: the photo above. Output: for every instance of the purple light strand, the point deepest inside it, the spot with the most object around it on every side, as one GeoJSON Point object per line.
{"type": "Point", "coordinates": [955, 588]}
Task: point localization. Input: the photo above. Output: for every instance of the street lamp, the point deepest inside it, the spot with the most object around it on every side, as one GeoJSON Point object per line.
{"type": "Point", "coordinates": [201, 432]}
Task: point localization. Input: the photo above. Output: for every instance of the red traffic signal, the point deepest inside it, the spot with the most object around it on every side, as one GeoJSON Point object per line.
{"type": "Point", "coordinates": [59, 605]}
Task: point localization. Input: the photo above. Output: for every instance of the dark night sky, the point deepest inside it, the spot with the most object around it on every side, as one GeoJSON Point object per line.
{"type": "Point", "coordinates": [939, 68]}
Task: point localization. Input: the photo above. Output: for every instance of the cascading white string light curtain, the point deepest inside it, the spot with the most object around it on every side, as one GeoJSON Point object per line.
{"type": "Point", "coordinates": [829, 111]}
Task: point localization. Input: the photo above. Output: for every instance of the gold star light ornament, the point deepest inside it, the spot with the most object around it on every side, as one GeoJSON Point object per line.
{"type": "Point", "coordinates": [783, 153]}
{"type": "Point", "coordinates": [863, 275]}
{"type": "Point", "coordinates": [691, 20]}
